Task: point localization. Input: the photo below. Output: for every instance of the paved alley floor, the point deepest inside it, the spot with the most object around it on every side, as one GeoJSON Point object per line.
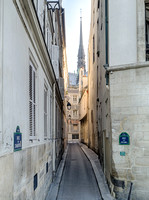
{"type": "Point", "coordinates": [78, 179]}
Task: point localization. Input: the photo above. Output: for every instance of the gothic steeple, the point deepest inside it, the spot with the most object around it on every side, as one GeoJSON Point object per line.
{"type": "Point", "coordinates": [81, 54]}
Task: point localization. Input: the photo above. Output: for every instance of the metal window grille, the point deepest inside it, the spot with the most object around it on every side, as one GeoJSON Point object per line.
{"type": "Point", "coordinates": [32, 100]}
{"type": "Point", "coordinates": [75, 136]}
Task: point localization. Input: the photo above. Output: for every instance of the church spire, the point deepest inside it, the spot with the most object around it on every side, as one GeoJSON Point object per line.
{"type": "Point", "coordinates": [81, 54]}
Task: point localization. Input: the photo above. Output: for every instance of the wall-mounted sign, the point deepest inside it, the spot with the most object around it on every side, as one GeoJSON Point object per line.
{"type": "Point", "coordinates": [17, 140]}
{"type": "Point", "coordinates": [18, 129]}
{"type": "Point", "coordinates": [122, 153]}
{"type": "Point", "coordinates": [124, 139]}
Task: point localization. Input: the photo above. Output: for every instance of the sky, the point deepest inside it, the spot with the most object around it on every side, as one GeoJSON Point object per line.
{"type": "Point", "coordinates": [72, 23]}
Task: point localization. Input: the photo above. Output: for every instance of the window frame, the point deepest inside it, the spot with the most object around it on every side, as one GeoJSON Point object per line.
{"type": "Point", "coordinates": [75, 136]}
{"type": "Point", "coordinates": [45, 111]}
{"type": "Point", "coordinates": [93, 48]}
{"type": "Point", "coordinates": [32, 101]}
{"type": "Point", "coordinates": [75, 115]}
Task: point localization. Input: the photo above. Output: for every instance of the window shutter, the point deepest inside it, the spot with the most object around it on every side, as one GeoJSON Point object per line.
{"type": "Point", "coordinates": [45, 111]}
{"type": "Point", "coordinates": [32, 101]}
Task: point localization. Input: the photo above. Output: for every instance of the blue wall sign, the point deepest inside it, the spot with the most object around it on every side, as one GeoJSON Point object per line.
{"type": "Point", "coordinates": [17, 141]}
{"type": "Point", "coordinates": [124, 139]}
{"type": "Point", "coordinates": [122, 153]}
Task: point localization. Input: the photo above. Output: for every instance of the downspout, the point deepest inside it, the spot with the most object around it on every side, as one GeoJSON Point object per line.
{"type": "Point", "coordinates": [53, 135]}
{"type": "Point", "coordinates": [1, 70]}
{"type": "Point", "coordinates": [106, 42]}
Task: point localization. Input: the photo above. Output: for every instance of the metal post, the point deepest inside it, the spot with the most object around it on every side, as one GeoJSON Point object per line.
{"type": "Point", "coordinates": [1, 69]}
{"type": "Point", "coordinates": [129, 195]}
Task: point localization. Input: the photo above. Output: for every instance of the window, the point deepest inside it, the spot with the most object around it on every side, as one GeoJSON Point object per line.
{"type": "Point", "coordinates": [98, 4]}
{"type": "Point", "coordinates": [93, 17]}
{"type": "Point", "coordinates": [75, 98]}
{"type": "Point", "coordinates": [44, 22]}
{"type": "Point", "coordinates": [75, 127]}
{"type": "Point", "coordinates": [98, 39]}
{"type": "Point", "coordinates": [93, 49]}
{"type": "Point", "coordinates": [32, 100]}
{"type": "Point", "coordinates": [75, 136]}
{"type": "Point", "coordinates": [75, 113]}
{"type": "Point", "coordinates": [56, 121]}
{"type": "Point", "coordinates": [147, 30]}
{"type": "Point", "coordinates": [45, 110]}
{"type": "Point", "coordinates": [50, 115]}
{"type": "Point", "coordinates": [35, 181]}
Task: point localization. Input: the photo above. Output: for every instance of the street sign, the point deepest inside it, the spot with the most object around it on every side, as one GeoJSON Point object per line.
{"type": "Point", "coordinates": [124, 139]}
{"type": "Point", "coordinates": [17, 140]}
{"type": "Point", "coordinates": [122, 153]}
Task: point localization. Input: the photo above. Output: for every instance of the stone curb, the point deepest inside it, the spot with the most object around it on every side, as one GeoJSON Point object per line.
{"type": "Point", "coordinates": [54, 187]}
{"type": "Point", "coordinates": [103, 187]}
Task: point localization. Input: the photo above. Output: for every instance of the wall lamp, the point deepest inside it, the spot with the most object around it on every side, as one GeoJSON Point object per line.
{"type": "Point", "coordinates": [68, 106]}
{"type": "Point", "coordinates": [52, 5]}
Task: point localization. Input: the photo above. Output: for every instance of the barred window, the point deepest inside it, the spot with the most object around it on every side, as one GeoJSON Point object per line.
{"type": "Point", "coordinates": [45, 110]}
{"type": "Point", "coordinates": [75, 136]}
{"type": "Point", "coordinates": [32, 100]}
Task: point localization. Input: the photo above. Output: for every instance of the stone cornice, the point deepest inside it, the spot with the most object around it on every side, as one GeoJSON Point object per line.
{"type": "Point", "coordinates": [127, 66]}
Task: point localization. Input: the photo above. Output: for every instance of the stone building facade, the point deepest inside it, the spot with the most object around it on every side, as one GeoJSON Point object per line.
{"type": "Point", "coordinates": [73, 123]}
{"type": "Point", "coordinates": [118, 94]}
{"type": "Point", "coordinates": [31, 97]}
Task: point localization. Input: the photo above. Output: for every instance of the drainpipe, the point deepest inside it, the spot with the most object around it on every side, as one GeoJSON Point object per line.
{"type": "Point", "coordinates": [129, 195]}
{"type": "Point", "coordinates": [106, 42]}
{"type": "Point", "coordinates": [53, 135]}
{"type": "Point", "coordinates": [1, 70]}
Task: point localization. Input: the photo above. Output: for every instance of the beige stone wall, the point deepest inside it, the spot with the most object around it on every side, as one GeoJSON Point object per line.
{"type": "Point", "coordinates": [19, 169]}
{"type": "Point", "coordinates": [73, 113]}
{"type": "Point", "coordinates": [92, 80]}
{"type": "Point", "coordinates": [129, 92]}
{"type": "Point", "coordinates": [122, 105]}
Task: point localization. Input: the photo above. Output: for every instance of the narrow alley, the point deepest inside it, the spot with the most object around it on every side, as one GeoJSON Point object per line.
{"type": "Point", "coordinates": [78, 180]}
{"type": "Point", "coordinates": [74, 100]}
{"type": "Point", "coordinates": [79, 176]}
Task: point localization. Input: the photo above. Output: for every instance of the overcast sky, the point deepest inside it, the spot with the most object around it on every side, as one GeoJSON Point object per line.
{"type": "Point", "coordinates": [72, 19]}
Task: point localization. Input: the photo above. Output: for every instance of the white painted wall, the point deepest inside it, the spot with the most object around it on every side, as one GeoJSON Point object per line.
{"type": "Point", "coordinates": [122, 32]}
{"type": "Point", "coordinates": [19, 48]}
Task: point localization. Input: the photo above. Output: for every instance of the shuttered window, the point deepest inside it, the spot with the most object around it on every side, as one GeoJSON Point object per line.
{"type": "Point", "coordinates": [51, 115]}
{"type": "Point", "coordinates": [45, 111]}
{"type": "Point", "coordinates": [32, 100]}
